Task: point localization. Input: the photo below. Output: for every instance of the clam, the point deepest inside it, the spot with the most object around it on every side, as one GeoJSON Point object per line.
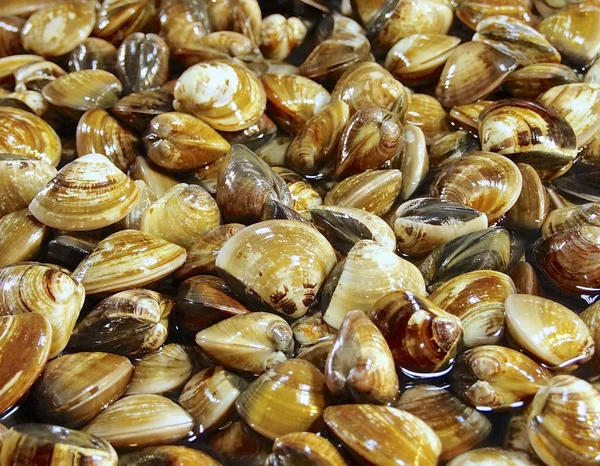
{"type": "Point", "coordinates": [423, 224]}
{"type": "Point", "coordinates": [525, 279]}
{"type": "Point", "coordinates": [29, 337]}
{"type": "Point", "coordinates": [88, 193]}
{"type": "Point", "coordinates": [447, 147]}
{"type": "Point", "coordinates": [10, 33]}
{"type": "Point", "coordinates": [183, 23]}
{"type": "Point", "coordinates": [138, 109]}
{"type": "Point", "coordinates": [281, 35]}
{"type": "Point", "coordinates": [146, 198]}
{"type": "Point", "coordinates": [34, 76]}
{"type": "Point", "coordinates": [591, 318]}
{"type": "Point", "coordinates": [368, 272]}
{"type": "Point", "coordinates": [278, 265]}
{"type": "Point", "coordinates": [21, 237]}
{"type": "Point", "coordinates": [40, 289]}
{"type": "Point", "coordinates": [163, 370]}
{"type": "Point", "coordinates": [158, 183]}
{"type": "Point", "coordinates": [346, 226]}
{"type": "Point", "coordinates": [564, 422]}
{"type": "Point", "coordinates": [292, 99]}
{"type": "Point", "coordinates": [532, 207]}
{"type": "Point", "coordinates": [93, 54]}
{"type": "Point", "coordinates": [289, 398]}
{"type": "Point", "coordinates": [127, 323]}
{"type": "Point", "coordinates": [360, 365]}
{"type": "Point", "coordinates": [472, 72]}
{"type": "Point", "coordinates": [141, 421]}
{"type": "Point", "coordinates": [532, 80]}
{"type": "Point", "coordinates": [128, 259]}
{"type": "Point", "coordinates": [74, 388]}
{"type": "Point", "coordinates": [413, 161]}
{"type": "Point", "coordinates": [119, 18]}
{"type": "Point", "coordinates": [218, 45]}
{"type": "Point", "coordinates": [478, 300]}
{"type": "Point", "coordinates": [550, 332]}
{"type": "Point", "coordinates": [472, 12]}
{"type": "Point", "coordinates": [304, 196]}
{"type": "Point", "coordinates": [227, 96]}
{"type": "Point", "coordinates": [374, 191]}
{"type": "Point", "coordinates": [491, 377]}
{"type": "Point", "coordinates": [58, 29]}
{"type": "Point", "coordinates": [314, 146]}
{"type": "Point", "coordinates": [466, 116]}
{"type": "Point", "coordinates": [142, 62]}
{"type": "Point", "coordinates": [316, 354]}
{"type": "Point", "coordinates": [579, 187]}
{"type": "Point", "coordinates": [240, 446]}
{"type": "Point", "coordinates": [167, 455]}
{"type": "Point", "coordinates": [422, 337]}
{"type": "Point", "coordinates": [384, 435]}
{"type": "Point", "coordinates": [426, 113]}
{"type": "Point", "coordinates": [251, 342]}
{"type": "Point", "coordinates": [311, 329]}
{"type": "Point", "coordinates": [485, 181]}
{"type": "Point", "coordinates": [10, 64]}
{"type": "Point", "coordinates": [44, 445]}
{"type": "Point", "coordinates": [493, 457]}
{"type": "Point", "coordinates": [304, 447]}
{"type": "Point", "coordinates": [28, 136]}
{"type": "Point", "coordinates": [243, 16]}
{"type": "Point", "coordinates": [458, 426]}
{"type": "Point", "coordinates": [210, 395]}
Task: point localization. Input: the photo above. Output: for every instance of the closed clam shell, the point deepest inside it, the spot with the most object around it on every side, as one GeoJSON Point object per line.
{"type": "Point", "coordinates": [128, 259]}
{"type": "Point", "coordinates": [74, 388]}
{"type": "Point", "coordinates": [210, 395]}
{"type": "Point", "coordinates": [289, 398]}
{"type": "Point", "coordinates": [564, 422]}
{"type": "Point", "coordinates": [299, 447]}
{"type": "Point", "coordinates": [251, 342]}
{"type": "Point", "coordinates": [311, 329]}
{"type": "Point", "coordinates": [88, 193]}
{"type": "Point", "coordinates": [384, 435]}
{"type": "Point", "coordinates": [34, 76]}
{"type": "Point", "coordinates": [119, 18]}
{"type": "Point", "coordinates": [426, 112]}
{"type": "Point", "coordinates": [226, 96]}
{"type": "Point", "coordinates": [419, 58]}
{"type": "Point", "coordinates": [368, 272]}
{"type": "Point", "coordinates": [44, 290]}
{"type": "Point", "coordinates": [360, 365]}
{"type": "Point", "coordinates": [346, 226]}
{"type": "Point", "coordinates": [138, 109]}
{"type": "Point", "coordinates": [240, 445]}
{"type": "Point", "coordinates": [293, 99]}
{"type": "Point", "coordinates": [478, 300]}
{"type": "Point", "coordinates": [157, 182]}
{"type": "Point", "coordinates": [532, 207]}
{"type": "Point", "coordinates": [21, 237]}
{"type": "Point", "coordinates": [532, 80]}
{"type": "Point", "coordinates": [423, 224]}
{"type": "Point", "coordinates": [472, 72]}
{"type": "Point", "coordinates": [466, 116]}
{"type": "Point", "coordinates": [45, 445]}
{"type": "Point", "coordinates": [446, 147]}
{"type": "Point", "coordinates": [142, 62]}
{"type": "Point", "coordinates": [493, 457]}
{"type": "Point", "coordinates": [525, 279]}
{"type": "Point", "coordinates": [93, 54]}
{"type": "Point", "coordinates": [413, 161]}
{"type": "Point", "coordinates": [10, 33]}
{"type": "Point", "coordinates": [145, 199]}
{"type": "Point", "coordinates": [25, 134]}
{"type": "Point", "coordinates": [314, 146]}
{"type": "Point", "coordinates": [371, 85]}
{"type": "Point", "coordinates": [180, 142]}
{"type": "Point", "coordinates": [283, 269]}
{"type": "Point", "coordinates": [180, 216]}
{"type": "Point", "coordinates": [304, 196]}
{"type": "Point", "coordinates": [100, 133]}
{"type": "Point", "coordinates": [485, 181]}
{"type": "Point", "coordinates": [527, 320]}
{"type": "Point", "coordinates": [167, 455]}
{"type": "Point", "coordinates": [182, 23]}
{"type": "Point", "coordinates": [58, 29]}
{"type": "Point", "coordinates": [141, 421]}
{"type": "Point", "coordinates": [371, 138]}
{"type": "Point", "coordinates": [29, 337]}
{"type": "Point", "coordinates": [579, 187]}
{"type": "Point", "coordinates": [458, 426]}
{"type": "Point", "coordinates": [163, 370]}
{"type": "Point", "coordinates": [127, 323]}
{"type": "Point", "coordinates": [422, 337]}
{"type": "Point", "coordinates": [281, 35]}
{"type": "Point", "coordinates": [79, 91]}
{"type": "Point", "coordinates": [472, 12]}
{"type": "Point", "coordinates": [374, 191]}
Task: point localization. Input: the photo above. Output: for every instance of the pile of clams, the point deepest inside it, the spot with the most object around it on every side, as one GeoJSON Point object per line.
{"type": "Point", "coordinates": [299, 232]}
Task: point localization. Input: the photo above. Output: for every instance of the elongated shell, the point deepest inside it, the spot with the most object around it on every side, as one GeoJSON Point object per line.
{"type": "Point", "coordinates": [413, 161]}
{"type": "Point", "coordinates": [167, 455]}
{"type": "Point", "coordinates": [493, 457]}
{"type": "Point", "coordinates": [532, 80]}
{"type": "Point", "coordinates": [21, 237]}
{"type": "Point", "coordinates": [426, 113]}
{"type": "Point", "coordinates": [532, 207]}
{"type": "Point", "coordinates": [142, 62]}
{"type": "Point", "coordinates": [289, 398]}
{"type": "Point", "coordinates": [304, 447]}
{"type": "Point", "coordinates": [384, 435]}
{"type": "Point", "coordinates": [128, 259]}
{"type": "Point", "coordinates": [74, 388]}
{"type": "Point", "coordinates": [278, 265]}
{"type": "Point", "coordinates": [251, 342]}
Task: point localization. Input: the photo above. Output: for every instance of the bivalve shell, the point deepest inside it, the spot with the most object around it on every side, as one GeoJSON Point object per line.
{"type": "Point", "coordinates": [167, 455]}
{"type": "Point", "coordinates": [472, 12]}
{"type": "Point", "coordinates": [119, 18]}
{"type": "Point", "coordinates": [532, 80]}
{"type": "Point", "coordinates": [142, 62]}
{"type": "Point", "coordinates": [532, 207]}
{"type": "Point", "coordinates": [281, 35]}
{"type": "Point", "coordinates": [493, 457]}
{"type": "Point", "coordinates": [304, 447]}
{"type": "Point", "coordinates": [21, 237]}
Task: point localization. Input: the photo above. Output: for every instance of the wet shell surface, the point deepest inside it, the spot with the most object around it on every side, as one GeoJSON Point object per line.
{"type": "Point", "coordinates": [22, 228]}
{"type": "Point", "coordinates": [167, 455]}
{"type": "Point", "coordinates": [304, 446]}
{"type": "Point", "coordinates": [142, 62]}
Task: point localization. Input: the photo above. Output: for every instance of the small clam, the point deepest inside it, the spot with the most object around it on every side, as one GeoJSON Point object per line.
{"type": "Point", "coordinates": [119, 18]}
{"type": "Point", "coordinates": [304, 448]}
{"type": "Point", "coordinates": [311, 329]}
{"type": "Point", "coordinates": [360, 365]}
{"type": "Point", "coordinates": [251, 342]}
{"type": "Point", "coordinates": [423, 224]}
{"type": "Point", "coordinates": [167, 455]}
{"type": "Point", "coordinates": [532, 207]}
{"type": "Point", "coordinates": [422, 337]}
{"type": "Point", "coordinates": [93, 54]}
{"type": "Point", "coordinates": [140, 421]}
{"type": "Point", "coordinates": [458, 426]}
{"type": "Point", "coordinates": [525, 279]}
{"type": "Point", "coordinates": [384, 435]}
{"type": "Point", "coordinates": [447, 147]}
{"type": "Point", "coordinates": [304, 196]}
{"type": "Point", "coordinates": [426, 113]}
{"type": "Point", "coordinates": [10, 35]}
{"type": "Point", "coordinates": [227, 96]}
{"type": "Point", "coordinates": [21, 237]}
{"type": "Point", "coordinates": [138, 109]}
{"type": "Point", "coordinates": [74, 388]}
{"type": "Point", "coordinates": [126, 323]}
{"type": "Point", "coordinates": [281, 35]}
{"type": "Point", "coordinates": [240, 446]}
{"type": "Point", "coordinates": [157, 183]}
{"type": "Point", "coordinates": [316, 354]}
{"type": "Point", "coordinates": [532, 80]}
{"type": "Point", "coordinates": [142, 62]}
{"type": "Point", "coordinates": [413, 161]}
{"type": "Point", "coordinates": [34, 76]}
{"type": "Point", "coordinates": [183, 23]}
{"type": "Point", "coordinates": [289, 398]}
{"type": "Point", "coordinates": [368, 272]}
{"type": "Point", "coordinates": [466, 116]}
{"type": "Point", "coordinates": [491, 377]}
{"type": "Point", "coordinates": [472, 12]}
{"type": "Point", "coordinates": [210, 395]}
{"type": "Point", "coordinates": [493, 457]}
{"type": "Point", "coordinates": [46, 445]}
{"type": "Point", "coordinates": [528, 319]}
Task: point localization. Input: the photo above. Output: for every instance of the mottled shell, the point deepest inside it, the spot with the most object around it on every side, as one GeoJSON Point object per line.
{"type": "Point", "coordinates": [472, 12]}
{"type": "Point", "coordinates": [304, 447]}
{"type": "Point", "coordinates": [446, 147]}
{"type": "Point", "coordinates": [532, 80]}
{"type": "Point", "coordinates": [413, 162]}
{"type": "Point", "coordinates": [426, 113]}
{"type": "Point", "coordinates": [532, 207]}
{"type": "Point", "coordinates": [137, 110]}
{"type": "Point", "coordinates": [158, 183]}
{"type": "Point", "coordinates": [142, 62]}
{"type": "Point", "coordinates": [304, 196]}
{"type": "Point", "coordinates": [21, 237]}
{"type": "Point", "coordinates": [119, 18]}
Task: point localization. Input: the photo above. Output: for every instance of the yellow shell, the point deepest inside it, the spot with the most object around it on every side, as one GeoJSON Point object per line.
{"type": "Point", "coordinates": [21, 237]}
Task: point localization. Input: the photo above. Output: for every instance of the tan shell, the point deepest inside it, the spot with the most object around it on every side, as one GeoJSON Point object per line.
{"type": "Point", "coordinates": [493, 457]}
{"type": "Point", "coordinates": [10, 64]}
{"type": "Point", "coordinates": [119, 18]}
{"type": "Point", "coordinates": [525, 279]}
{"type": "Point", "coordinates": [467, 115]}
{"type": "Point", "coordinates": [21, 237]}
{"type": "Point", "coordinates": [472, 12]}
{"type": "Point", "coordinates": [145, 199]}
{"type": "Point", "coordinates": [10, 33]}
{"type": "Point", "coordinates": [532, 207]}
{"type": "Point", "coordinates": [157, 182]}
{"type": "Point", "coordinates": [128, 259]}
{"type": "Point", "coordinates": [426, 113]}
{"type": "Point", "coordinates": [34, 76]}
{"type": "Point", "coordinates": [281, 35]}
{"type": "Point", "coordinates": [299, 447]}
{"type": "Point", "coordinates": [304, 196]}
{"type": "Point", "coordinates": [310, 330]}
{"type": "Point", "coordinates": [413, 162]}
{"type": "Point", "coordinates": [33, 100]}
{"type": "Point", "coordinates": [532, 80]}
{"type": "Point", "coordinates": [167, 455]}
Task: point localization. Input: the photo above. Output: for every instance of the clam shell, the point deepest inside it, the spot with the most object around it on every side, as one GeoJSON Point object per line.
{"type": "Point", "coordinates": [493, 457]}
{"type": "Point", "coordinates": [140, 421]}
{"type": "Point", "coordinates": [21, 237]}
{"type": "Point", "coordinates": [183, 23]}
{"type": "Point", "coordinates": [142, 62]}
{"type": "Point", "coordinates": [532, 207]}
{"type": "Point", "coordinates": [8, 65]}
{"type": "Point", "coordinates": [93, 54]}
{"type": "Point", "coordinates": [472, 12]}
{"type": "Point", "coordinates": [413, 162]}
{"type": "Point", "coordinates": [168, 455]}
{"type": "Point", "coordinates": [138, 109]}
{"type": "Point", "coordinates": [238, 444]}
{"type": "Point", "coordinates": [128, 259]}
{"type": "Point", "coordinates": [119, 18]}
{"type": "Point", "coordinates": [532, 80]}
{"type": "Point", "coordinates": [33, 101]}
{"type": "Point", "coordinates": [133, 219]}
{"type": "Point", "coordinates": [74, 388]}
{"type": "Point", "coordinates": [591, 318]}
{"type": "Point", "coordinates": [10, 33]}
{"type": "Point", "coordinates": [447, 147]}
{"type": "Point", "coordinates": [466, 116]}
{"type": "Point", "coordinates": [426, 113]}
{"type": "Point", "coordinates": [525, 279]}
{"type": "Point", "coordinates": [310, 330]}
{"type": "Point", "coordinates": [34, 76]}
{"type": "Point", "coordinates": [158, 183]}
{"type": "Point", "coordinates": [304, 196]}
{"type": "Point", "coordinates": [307, 447]}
